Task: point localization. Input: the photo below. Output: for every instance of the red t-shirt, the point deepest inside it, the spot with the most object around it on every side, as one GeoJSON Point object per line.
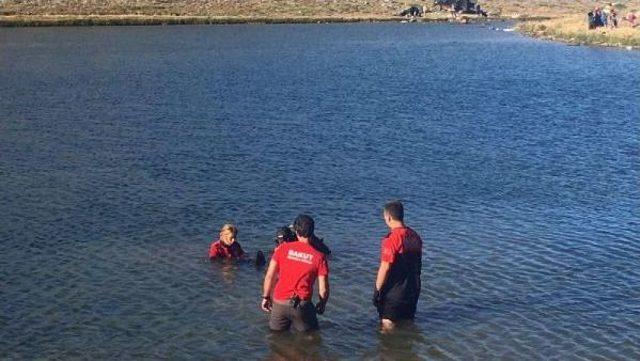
{"type": "Point", "coordinates": [401, 240]}
{"type": "Point", "coordinates": [220, 250]}
{"type": "Point", "coordinates": [299, 265]}
{"type": "Point", "coordinates": [402, 248]}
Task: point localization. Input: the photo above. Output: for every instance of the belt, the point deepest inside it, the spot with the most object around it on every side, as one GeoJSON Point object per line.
{"type": "Point", "coordinates": [287, 302]}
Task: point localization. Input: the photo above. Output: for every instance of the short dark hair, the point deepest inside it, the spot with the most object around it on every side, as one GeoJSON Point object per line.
{"type": "Point", "coordinates": [284, 234]}
{"type": "Point", "coordinates": [304, 226]}
{"type": "Point", "coordinates": [395, 209]}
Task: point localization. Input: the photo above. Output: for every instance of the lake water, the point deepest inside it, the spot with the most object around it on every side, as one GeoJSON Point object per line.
{"type": "Point", "coordinates": [123, 150]}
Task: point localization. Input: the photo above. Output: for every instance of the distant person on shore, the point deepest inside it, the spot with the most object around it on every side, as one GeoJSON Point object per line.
{"type": "Point", "coordinates": [613, 18]}
{"type": "Point", "coordinates": [296, 265]}
{"type": "Point", "coordinates": [605, 16]}
{"type": "Point", "coordinates": [597, 18]}
{"type": "Point", "coordinates": [612, 15]}
{"type": "Point", "coordinates": [226, 247]}
{"type": "Point", "coordinates": [632, 19]}
{"type": "Point", "coordinates": [453, 11]}
{"type": "Point", "coordinates": [591, 20]}
{"type": "Point", "coordinates": [397, 286]}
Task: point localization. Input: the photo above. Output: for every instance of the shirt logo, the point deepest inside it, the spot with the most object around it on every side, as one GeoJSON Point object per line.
{"type": "Point", "coordinates": [300, 256]}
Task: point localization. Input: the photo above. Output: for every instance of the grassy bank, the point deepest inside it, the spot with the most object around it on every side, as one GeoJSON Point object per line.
{"type": "Point", "coordinates": [573, 30]}
{"type": "Point", "coordinates": [281, 8]}
{"type": "Point", "coordinates": [127, 19]}
{"type": "Point", "coordinates": [115, 20]}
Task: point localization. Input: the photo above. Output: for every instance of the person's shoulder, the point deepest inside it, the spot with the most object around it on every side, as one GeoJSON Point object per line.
{"type": "Point", "coordinates": [307, 248]}
{"type": "Point", "coordinates": [397, 233]}
{"type": "Point", "coordinates": [318, 254]}
{"type": "Point", "coordinates": [279, 248]}
{"type": "Point", "coordinates": [412, 232]}
{"type": "Point", "coordinates": [390, 237]}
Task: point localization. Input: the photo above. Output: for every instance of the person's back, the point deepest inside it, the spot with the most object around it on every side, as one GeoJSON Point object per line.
{"type": "Point", "coordinates": [403, 249]}
{"type": "Point", "coordinates": [397, 286]}
{"type": "Point", "coordinates": [297, 265]}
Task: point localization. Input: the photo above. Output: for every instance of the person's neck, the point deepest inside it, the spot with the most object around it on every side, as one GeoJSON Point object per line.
{"type": "Point", "coordinates": [395, 224]}
{"type": "Point", "coordinates": [303, 239]}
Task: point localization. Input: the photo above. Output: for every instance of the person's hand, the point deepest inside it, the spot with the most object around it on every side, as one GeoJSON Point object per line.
{"type": "Point", "coordinates": [266, 304]}
{"type": "Point", "coordinates": [320, 306]}
{"type": "Point", "coordinates": [376, 299]}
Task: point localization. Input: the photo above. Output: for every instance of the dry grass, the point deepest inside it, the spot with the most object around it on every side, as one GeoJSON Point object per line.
{"type": "Point", "coordinates": [551, 8]}
{"type": "Point", "coordinates": [97, 20]}
{"type": "Point", "coordinates": [574, 30]}
{"type": "Point", "coordinates": [282, 8]}
{"type": "Point", "coordinates": [196, 7]}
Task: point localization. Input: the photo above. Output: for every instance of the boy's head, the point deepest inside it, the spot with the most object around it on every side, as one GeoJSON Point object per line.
{"type": "Point", "coordinates": [284, 234]}
{"type": "Point", "coordinates": [393, 212]}
{"type": "Point", "coordinates": [228, 233]}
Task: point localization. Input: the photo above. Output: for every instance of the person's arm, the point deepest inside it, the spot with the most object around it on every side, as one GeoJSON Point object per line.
{"type": "Point", "coordinates": [214, 252]}
{"type": "Point", "coordinates": [239, 252]}
{"type": "Point", "coordinates": [383, 273]}
{"type": "Point", "coordinates": [323, 292]}
{"type": "Point", "coordinates": [268, 285]}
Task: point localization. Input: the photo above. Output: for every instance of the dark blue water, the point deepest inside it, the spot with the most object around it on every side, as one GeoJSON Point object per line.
{"type": "Point", "coordinates": [122, 150]}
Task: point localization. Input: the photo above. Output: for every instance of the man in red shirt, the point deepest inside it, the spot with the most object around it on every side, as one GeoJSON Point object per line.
{"type": "Point", "coordinates": [398, 282]}
{"type": "Point", "coordinates": [297, 265]}
{"type": "Point", "coordinates": [226, 246]}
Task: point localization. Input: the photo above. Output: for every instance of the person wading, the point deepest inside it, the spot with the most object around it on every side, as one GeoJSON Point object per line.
{"type": "Point", "coordinates": [397, 285]}
{"type": "Point", "coordinates": [297, 266]}
{"type": "Point", "coordinates": [226, 247]}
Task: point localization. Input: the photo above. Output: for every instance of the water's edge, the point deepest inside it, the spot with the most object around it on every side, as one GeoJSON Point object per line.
{"type": "Point", "coordinates": [151, 20]}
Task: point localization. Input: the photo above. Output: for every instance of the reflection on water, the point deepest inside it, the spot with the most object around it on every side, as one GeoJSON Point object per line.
{"type": "Point", "coordinates": [297, 346]}
{"type": "Point", "coordinates": [227, 270]}
{"type": "Point", "coordinates": [123, 150]}
{"type": "Point", "coordinates": [405, 342]}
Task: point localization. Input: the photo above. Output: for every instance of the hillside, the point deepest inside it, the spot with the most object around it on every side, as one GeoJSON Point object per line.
{"type": "Point", "coordinates": [281, 8]}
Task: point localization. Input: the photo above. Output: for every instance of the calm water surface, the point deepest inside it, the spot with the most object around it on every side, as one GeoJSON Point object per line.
{"type": "Point", "coordinates": [122, 150]}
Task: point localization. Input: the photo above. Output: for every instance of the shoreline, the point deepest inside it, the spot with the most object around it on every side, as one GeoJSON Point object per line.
{"type": "Point", "coordinates": [566, 29]}
{"type": "Point", "coordinates": [156, 20]}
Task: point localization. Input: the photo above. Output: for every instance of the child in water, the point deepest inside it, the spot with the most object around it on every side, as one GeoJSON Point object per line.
{"type": "Point", "coordinates": [226, 247]}
{"type": "Point", "coordinates": [286, 234]}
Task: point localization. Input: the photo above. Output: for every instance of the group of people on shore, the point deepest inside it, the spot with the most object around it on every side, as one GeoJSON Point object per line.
{"type": "Point", "coordinates": [607, 17]}
{"type": "Point", "coordinates": [300, 258]}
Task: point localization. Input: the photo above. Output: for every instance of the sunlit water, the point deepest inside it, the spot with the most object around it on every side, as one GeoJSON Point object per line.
{"type": "Point", "coordinates": [122, 150]}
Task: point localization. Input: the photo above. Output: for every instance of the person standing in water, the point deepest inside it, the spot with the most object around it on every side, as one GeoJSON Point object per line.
{"type": "Point", "coordinates": [226, 247]}
{"type": "Point", "coordinates": [297, 265]}
{"type": "Point", "coordinates": [397, 286]}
